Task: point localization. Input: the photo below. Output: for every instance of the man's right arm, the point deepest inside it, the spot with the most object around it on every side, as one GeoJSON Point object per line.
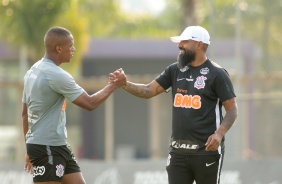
{"type": "Point", "coordinates": [91, 102]}
{"type": "Point", "coordinates": [139, 90]}
{"type": "Point", "coordinates": [144, 90]}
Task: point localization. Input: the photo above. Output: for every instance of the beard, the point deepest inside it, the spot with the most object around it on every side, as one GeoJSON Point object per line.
{"type": "Point", "coordinates": [186, 58]}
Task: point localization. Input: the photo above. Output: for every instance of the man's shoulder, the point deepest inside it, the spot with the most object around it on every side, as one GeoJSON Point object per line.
{"type": "Point", "coordinates": [52, 70]}
{"type": "Point", "coordinates": [216, 68]}
{"type": "Point", "coordinates": [215, 65]}
{"type": "Point", "coordinates": [173, 66]}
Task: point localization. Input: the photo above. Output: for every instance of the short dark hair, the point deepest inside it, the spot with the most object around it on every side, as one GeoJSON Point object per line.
{"type": "Point", "coordinates": [58, 31]}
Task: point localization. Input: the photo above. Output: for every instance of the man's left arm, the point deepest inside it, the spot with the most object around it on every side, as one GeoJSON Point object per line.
{"type": "Point", "coordinates": [214, 140]}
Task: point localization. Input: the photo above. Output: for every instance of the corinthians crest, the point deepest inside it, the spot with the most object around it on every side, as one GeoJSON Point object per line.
{"type": "Point", "coordinates": [60, 170]}
{"type": "Point", "coordinates": [200, 82]}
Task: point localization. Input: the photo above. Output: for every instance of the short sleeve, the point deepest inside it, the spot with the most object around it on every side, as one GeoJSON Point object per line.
{"type": "Point", "coordinates": [165, 78]}
{"type": "Point", "coordinates": [64, 84]}
{"type": "Point", "coordinates": [223, 85]}
{"type": "Point", "coordinates": [24, 98]}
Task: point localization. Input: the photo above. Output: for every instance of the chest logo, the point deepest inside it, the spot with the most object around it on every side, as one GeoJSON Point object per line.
{"type": "Point", "coordinates": [184, 69]}
{"type": "Point", "coordinates": [204, 71]}
{"type": "Point", "coordinates": [187, 101]}
{"type": "Point", "coordinates": [200, 82]}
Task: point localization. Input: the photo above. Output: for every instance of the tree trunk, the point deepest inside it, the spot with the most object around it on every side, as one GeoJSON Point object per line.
{"type": "Point", "coordinates": [188, 17]}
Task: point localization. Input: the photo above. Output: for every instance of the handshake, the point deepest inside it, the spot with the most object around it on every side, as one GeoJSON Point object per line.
{"type": "Point", "coordinates": [117, 78]}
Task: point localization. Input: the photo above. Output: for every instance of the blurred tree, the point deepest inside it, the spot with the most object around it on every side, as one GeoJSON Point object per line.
{"type": "Point", "coordinates": [259, 20]}
{"type": "Point", "coordinates": [77, 22]}
{"type": "Point", "coordinates": [102, 16]}
{"type": "Point", "coordinates": [262, 25]}
{"type": "Point", "coordinates": [188, 12]}
{"type": "Point", "coordinates": [24, 23]}
{"type": "Point", "coordinates": [146, 25]}
{"type": "Point", "coordinates": [219, 16]}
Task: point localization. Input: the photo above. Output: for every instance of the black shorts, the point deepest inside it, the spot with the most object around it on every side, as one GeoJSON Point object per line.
{"type": "Point", "coordinates": [51, 163]}
{"type": "Point", "coordinates": [185, 169]}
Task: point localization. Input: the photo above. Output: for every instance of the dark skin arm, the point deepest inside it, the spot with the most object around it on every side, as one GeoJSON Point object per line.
{"type": "Point", "coordinates": [84, 100]}
{"type": "Point", "coordinates": [91, 102]}
{"type": "Point", "coordinates": [27, 165]}
{"type": "Point", "coordinates": [214, 140]}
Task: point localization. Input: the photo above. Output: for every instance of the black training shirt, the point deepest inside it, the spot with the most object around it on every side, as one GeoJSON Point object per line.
{"type": "Point", "coordinates": [197, 96]}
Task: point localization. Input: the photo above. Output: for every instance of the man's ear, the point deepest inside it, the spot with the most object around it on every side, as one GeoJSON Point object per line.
{"type": "Point", "coordinates": [58, 49]}
{"type": "Point", "coordinates": [200, 44]}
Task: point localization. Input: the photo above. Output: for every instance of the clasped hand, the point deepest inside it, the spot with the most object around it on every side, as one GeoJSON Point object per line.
{"type": "Point", "coordinates": [118, 77]}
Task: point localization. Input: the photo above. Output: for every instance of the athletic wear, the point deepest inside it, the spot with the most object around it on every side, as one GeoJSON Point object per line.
{"type": "Point", "coordinates": [45, 88]}
{"type": "Point", "coordinates": [50, 163]}
{"type": "Point", "coordinates": [198, 93]}
{"type": "Point", "coordinates": [184, 169]}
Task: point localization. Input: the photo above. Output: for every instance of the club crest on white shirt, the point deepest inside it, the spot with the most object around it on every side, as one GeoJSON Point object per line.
{"type": "Point", "coordinates": [200, 82]}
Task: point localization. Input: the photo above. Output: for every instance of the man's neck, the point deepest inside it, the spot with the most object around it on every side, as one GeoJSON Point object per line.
{"type": "Point", "coordinates": [198, 61]}
{"type": "Point", "coordinates": [47, 56]}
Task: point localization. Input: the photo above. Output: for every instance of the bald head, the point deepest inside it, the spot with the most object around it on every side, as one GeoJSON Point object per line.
{"type": "Point", "coordinates": [55, 36]}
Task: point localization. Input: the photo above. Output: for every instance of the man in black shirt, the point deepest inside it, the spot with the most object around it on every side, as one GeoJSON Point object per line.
{"type": "Point", "coordinates": [200, 88]}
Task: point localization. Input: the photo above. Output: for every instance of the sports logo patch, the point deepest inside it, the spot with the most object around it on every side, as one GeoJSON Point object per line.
{"type": "Point", "coordinates": [60, 170]}
{"type": "Point", "coordinates": [187, 101]}
{"type": "Point", "coordinates": [200, 82]}
{"type": "Point", "coordinates": [204, 71]}
{"type": "Point", "coordinates": [184, 69]}
{"type": "Point", "coordinates": [38, 170]}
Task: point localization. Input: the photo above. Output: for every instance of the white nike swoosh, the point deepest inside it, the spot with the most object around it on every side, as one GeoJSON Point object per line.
{"type": "Point", "coordinates": [180, 79]}
{"type": "Point", "coordinates": [209, 164]}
